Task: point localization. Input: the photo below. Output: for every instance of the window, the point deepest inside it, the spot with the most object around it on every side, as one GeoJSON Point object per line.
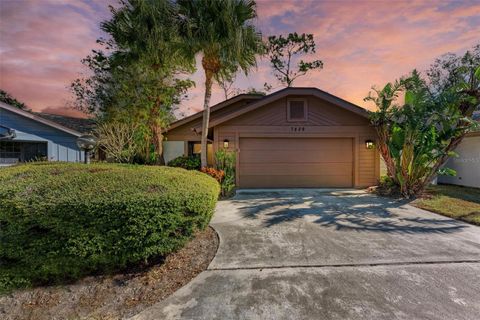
{"type": "Point", "coordinates": [297, 110]}
{"type": "Point", "coordinates": [195, 148]}
{"type": "Point", "coordinates": [10, 152]}
{"type": "Point", "coordinates": [13, 151]}
{"type": "Point", "coordinates": [34, 151]}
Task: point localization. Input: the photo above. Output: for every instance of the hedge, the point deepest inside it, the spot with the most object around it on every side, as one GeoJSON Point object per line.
{"type": "Point", "coordinates": [186, 162]}
{"type": "Point", "coordinates": [62, 221]}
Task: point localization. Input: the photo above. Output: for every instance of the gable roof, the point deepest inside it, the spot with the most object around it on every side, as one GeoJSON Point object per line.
{"type": "Point", "coordinates": [218, 106]}
{"type": "Point", "coordinates": [34, 117]}
{"type": "Point", "coordinates": [83, 125]}
{"type": "Point", "coordinates": [297, 91]}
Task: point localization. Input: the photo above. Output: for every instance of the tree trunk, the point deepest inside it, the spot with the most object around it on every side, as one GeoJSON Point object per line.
{"type": "Point", "coordinates": [158, 147]}
{"type": "Point", "coordinates": [206, 115]}
{"type": "Point", "coordinates": [156, 137]}
{"type": "Point", "coordinates": [389, 162]}
{"type": "Point", "coordinates": [211, 65]}
{"type": "Point", "coordinates": [385, 152]}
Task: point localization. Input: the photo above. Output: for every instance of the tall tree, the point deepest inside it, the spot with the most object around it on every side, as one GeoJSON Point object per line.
{"type": "Point", "coordinates": [225, 80]}
{"type": "Point", "coordinates": [283, 52]}
{"type": "Point", "coordinates": [222, 31]}
{"type": "Point", "coordinates": [135, 78]}
{"type": "Point", "coordinates": [417, 137]}
{"type": "Point", "coordinates": [146, 32]}
{"type": "Point", "coordinates": [10, 100]}
{"type": "Point", "coordinates": [94, 94]}
{"type": "Point", "coordinates": [455, 80]}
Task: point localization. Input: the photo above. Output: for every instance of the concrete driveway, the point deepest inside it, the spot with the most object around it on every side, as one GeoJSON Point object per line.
{"type": "Point", "coordinates": [332, 254]}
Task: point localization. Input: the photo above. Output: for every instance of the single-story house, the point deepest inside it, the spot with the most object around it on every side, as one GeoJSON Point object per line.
{"type": "Point", "coordinates": [295, 137]}
{"type": "Point", "coordinates": [25, 136]}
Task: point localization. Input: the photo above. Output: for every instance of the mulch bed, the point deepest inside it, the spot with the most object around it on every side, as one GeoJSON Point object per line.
{"type": "Point", "coordinates": [115, 296]}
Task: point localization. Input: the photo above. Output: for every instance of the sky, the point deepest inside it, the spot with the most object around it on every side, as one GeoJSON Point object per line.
{"type": "Point", "coordinates": [362, 43]}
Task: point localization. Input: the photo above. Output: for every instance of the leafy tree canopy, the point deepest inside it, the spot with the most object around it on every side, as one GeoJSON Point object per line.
{"type": "Point", "coordinates": [417, 137]}
{"type": "Point", "coordinates": [222, 31]}
{"type": "Point", "coordinates": [284, 53]}
{"type": "Point", "coordinates": [135, 77]}
{"type": "Point", "coordinates": [10, 100]}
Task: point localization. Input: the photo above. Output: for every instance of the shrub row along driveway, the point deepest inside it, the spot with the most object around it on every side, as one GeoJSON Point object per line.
{"type": "Point", "coordinates": [332, 254]}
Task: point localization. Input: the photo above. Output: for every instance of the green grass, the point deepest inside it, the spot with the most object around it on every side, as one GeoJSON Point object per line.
{"type": "Point", "coordinates": [456, 202]}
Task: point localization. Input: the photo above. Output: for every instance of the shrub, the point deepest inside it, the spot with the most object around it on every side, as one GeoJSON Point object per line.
{"type": "Point", "coordinates": [186, 162]}
{"type": "Point", "coordinates": [214, 173]}
{"type": "Point", "coordinates": [225, 161]}
{"type": "Point", "coordinates": [118, 141]}
{"type": "Point", "coordinates": [387, 187]}
{"type": "Point", "coordinates": [63, 221]}
{"type": "Point", "coordinates": [420, 120]}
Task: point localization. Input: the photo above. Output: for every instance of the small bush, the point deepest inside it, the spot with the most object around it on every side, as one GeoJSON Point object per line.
{"type": "Point", "coordinates": [387, 187]}
{"type": "Point", "coordinates": [62, 221]}
{"type": "Point", "coordinates": [225, 161]}
{"type": "Point", "coordinates": [214, 173]}
{"type": "Point", "coordinates": [186, 162]}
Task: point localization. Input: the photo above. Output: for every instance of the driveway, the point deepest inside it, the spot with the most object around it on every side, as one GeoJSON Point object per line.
{"type": "Point", "coordinates": [332, 254]}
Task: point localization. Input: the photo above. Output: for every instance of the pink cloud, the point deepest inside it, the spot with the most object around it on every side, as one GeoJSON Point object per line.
{"type": "Point", "coordinates": [361, 43]}
{"type": "Point", "coordinates": [41, 48]}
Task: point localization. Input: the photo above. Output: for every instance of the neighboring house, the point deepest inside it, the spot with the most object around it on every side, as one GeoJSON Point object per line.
{"type": "Point", "coordinates": [295, 137]}
{"type": "Point", "coordinates": [467, 164]}
{"type": "Point", "coordinates": [25, 136]}
{"type": "Point", "coordinates": [81, 125]}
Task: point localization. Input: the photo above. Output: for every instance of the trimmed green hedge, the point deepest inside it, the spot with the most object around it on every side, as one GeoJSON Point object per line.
{"type": "Point", "coordinates": [186, 162]}
{"type": "Point", "coordinates": [63, 221]}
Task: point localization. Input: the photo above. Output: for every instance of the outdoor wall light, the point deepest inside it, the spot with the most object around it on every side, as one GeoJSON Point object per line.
{"type": "Point", "coordinates": [369, 144]}
{"type": "Point", "coordinates": [87, 143]}
{"type": "Point", "coordinates": [225, 143]}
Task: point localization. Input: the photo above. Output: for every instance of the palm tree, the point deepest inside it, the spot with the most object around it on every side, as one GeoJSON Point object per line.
{"type": "Point", "coordinates": [145, 38]}
{"type": "Point", "coordinates": [223, 32]}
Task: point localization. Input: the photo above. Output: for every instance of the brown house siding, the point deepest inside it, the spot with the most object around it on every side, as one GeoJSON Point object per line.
{"type": "Point", "coordinates": [368, 163]}
{"type": "Point", "coordinates": [320, 113]}
{"type": "Point", "coordinates": [185, 132]}
{"type": "Point", "coordinates": [326, 121]}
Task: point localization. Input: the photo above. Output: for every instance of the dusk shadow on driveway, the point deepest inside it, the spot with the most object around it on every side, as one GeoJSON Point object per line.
{"type": "Point", "coordinates": [341, 210]}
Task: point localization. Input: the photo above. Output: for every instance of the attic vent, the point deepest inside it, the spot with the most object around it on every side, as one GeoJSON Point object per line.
{"type": "Point", "coordinates": [297, 110]}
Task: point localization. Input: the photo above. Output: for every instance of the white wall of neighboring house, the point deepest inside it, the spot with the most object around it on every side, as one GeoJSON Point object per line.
{"type": "Point", "coordinates": [173, 149]}
{"type": "Point", "coordinates": [467, 164]}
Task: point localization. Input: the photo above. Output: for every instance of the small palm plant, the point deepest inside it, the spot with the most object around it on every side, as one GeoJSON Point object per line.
{"type": "Point", "coordinates": [225, 161]}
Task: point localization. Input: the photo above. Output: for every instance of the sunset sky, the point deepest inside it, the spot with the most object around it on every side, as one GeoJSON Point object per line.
{"type": "Point", "coordinates": [362, 43]}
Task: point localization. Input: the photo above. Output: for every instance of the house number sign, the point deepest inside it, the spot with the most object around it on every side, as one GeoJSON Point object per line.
{"type": "Point", "coordinates": [297, 129]}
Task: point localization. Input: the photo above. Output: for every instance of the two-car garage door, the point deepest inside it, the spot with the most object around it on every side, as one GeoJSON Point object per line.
{"type": "Point", "coordinates": [295, 162]}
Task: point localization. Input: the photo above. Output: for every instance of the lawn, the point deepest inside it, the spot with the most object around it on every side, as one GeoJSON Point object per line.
{"type": "Point", "coordinates": [457, 202]}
